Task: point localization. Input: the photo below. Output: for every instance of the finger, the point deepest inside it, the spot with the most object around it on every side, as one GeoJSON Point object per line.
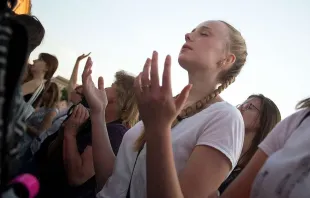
{"type": "Point", "coordinates": [154, 72]}
{"type": "Point", "coordinates": [87, 54]}
{"type": "Point", "coordinates": [137, 86]}
{"type": "Point", "coordinates": [181, 99]}
{"type": "Point", "coordinates": [145, 80]}
{"type": "Point", "coordinates": [166, 81]}
{"type": "Point", "coordinates": [86, 114]}
{"type": "Point", "coordinates": [100, 83]}
{"type": "Point", "coordinates": [78, 112]}
{"type": "Point", "coordinates": [87, 68]}
{"type": "Point", "coordinates": [74, 112]}
{"type": "Point", "coordinates": [83, 114]}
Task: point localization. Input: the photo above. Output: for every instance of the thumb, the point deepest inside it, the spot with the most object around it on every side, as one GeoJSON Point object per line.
{"type": "Point", "coordinates": [100, 83]}
{"type": "Point", "coordinates": [181, 99]}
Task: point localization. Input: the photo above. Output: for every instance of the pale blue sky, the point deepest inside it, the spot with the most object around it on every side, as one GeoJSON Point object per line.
{"type": "Point", "coordinates": [122, 34]}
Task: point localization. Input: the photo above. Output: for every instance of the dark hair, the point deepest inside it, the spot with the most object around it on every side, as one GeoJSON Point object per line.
{"type": "Point", "coordinates": [269, 116]}
{"type": "Point", "coordinates": [52, 64]}
{"type": "Point", "coordinates": [305, 103]}
{"type": "Point", "coordinates": [34, 28]}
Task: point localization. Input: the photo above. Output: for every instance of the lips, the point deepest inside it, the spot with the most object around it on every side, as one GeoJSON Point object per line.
{"type": "Point", "coordinates": [186, 46]}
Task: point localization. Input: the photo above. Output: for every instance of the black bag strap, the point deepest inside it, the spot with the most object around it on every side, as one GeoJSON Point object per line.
{"type": "Point", "coordinates": [128, 191]}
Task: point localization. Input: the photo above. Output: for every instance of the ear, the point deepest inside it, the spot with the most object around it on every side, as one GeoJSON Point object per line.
{"type": "Point", "coordinates": [228, 61]}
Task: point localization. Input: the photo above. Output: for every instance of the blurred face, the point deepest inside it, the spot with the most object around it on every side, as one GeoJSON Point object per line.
{"type": "Point", "coordinates": [250, 111]}
{"type": "Point", "coordinates": [76, 95]}
{"type": "Point", "coordinates": [111, 93]}
{"type": "Point", "coordinates": [39, 66]}
{"type": "Point", "coordinates": [205, 46]}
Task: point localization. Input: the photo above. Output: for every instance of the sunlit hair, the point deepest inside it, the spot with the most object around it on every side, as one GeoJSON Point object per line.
{"type": "Point", "coordinates": [126, 100]}
{"type": "Point", "coordinates": [303, 104]}
{"type": "Point", "coordinates": [235, 45]}
{"type": "Point", "coordinates": [54, 95]}
{"type": "Point", "coordinates": [269, 116]}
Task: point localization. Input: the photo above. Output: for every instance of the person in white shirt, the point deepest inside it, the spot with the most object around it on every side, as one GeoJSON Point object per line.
{"type": "Point", "coordinates": [206, 137]}
{"type": "Point", "coordinates": [281, 166]}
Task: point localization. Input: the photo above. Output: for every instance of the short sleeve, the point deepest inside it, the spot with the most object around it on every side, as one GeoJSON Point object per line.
{"type": "Point", "coordinates": [224, 131]}
{"type": "Point", "coordinates": [282, 131]}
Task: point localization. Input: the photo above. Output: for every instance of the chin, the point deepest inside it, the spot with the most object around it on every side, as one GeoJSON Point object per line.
{"type": "Point", "coordinates": [184, 61]}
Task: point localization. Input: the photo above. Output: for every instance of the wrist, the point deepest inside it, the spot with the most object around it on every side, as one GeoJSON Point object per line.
{"type": "Point", "coordinates": [97, 115]}
{"type": "Point", "coordinates": [70, 132]}
{"type": "Point", "coordinates": [158, 132]}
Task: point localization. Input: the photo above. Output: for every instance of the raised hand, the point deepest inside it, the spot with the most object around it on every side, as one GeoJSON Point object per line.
{"type": "Point", "coordinates": [81, 57]}
{"type": "Point", "coordinates": [95, 97]}
{"type": "Point", "coordinates": [156, 104]}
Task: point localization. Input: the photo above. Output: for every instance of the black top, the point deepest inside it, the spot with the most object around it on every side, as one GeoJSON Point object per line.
{"type": "Point", "coordinates": [27, 97]}
{"type": "Point", "coordinates": [52, 175]}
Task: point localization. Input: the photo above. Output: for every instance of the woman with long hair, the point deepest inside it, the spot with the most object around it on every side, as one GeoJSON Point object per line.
{"type": "Point", "coordinates": [197, 136]}
{"type": "Point", "coordinates": [260, 116]}
{"type": "Point", "coordinates": [281, 165]}
{"type": "Point", "coordinates": [37, 74]}
{"type": "Point", "coordinates": [42, 119]}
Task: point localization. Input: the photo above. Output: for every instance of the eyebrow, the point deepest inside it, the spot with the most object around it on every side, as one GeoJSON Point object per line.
{"type": "Point", "coordinates": [203, 27]}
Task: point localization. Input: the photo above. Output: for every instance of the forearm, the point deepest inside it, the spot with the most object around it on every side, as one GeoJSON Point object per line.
{"type": "Point", "coordinates": [72, 159]}
{"type": "Point", "coordinates": [73, 79]}
{"type": "Point", "coordinates": [33, 131]}
{"type": "Point", "coordinates": [162, 179]}
{"type": "Point", "coordinates": [103, 155]}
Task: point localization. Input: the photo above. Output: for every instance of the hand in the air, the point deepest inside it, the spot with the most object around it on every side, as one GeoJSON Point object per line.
{"type": "Point", "coordinates": [81, 57]}
{"type": "Point", "coordinates": [156, 104]}
{"type": "Point", "coordinates": [95, 97]}
{"type": "Point", "coordinates": [79, 115]}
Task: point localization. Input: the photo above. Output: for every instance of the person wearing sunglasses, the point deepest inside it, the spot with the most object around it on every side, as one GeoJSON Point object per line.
{"type": "Point", "coordinates": [260, 115]}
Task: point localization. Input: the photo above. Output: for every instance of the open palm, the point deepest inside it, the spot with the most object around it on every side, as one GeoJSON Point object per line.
{"type": "Point", "coordinates": [95, 97]}
{"type": "Point", "coordinates": [81, 57]}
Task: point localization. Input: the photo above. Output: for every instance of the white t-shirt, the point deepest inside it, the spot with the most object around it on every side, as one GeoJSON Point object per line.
{"type": "Point", "coordinates": [286, 173]}
{"type": "Point", "coordinates": [220, 126]}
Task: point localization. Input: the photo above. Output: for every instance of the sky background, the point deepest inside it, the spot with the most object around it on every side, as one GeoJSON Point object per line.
{"type": "Point", "coordinates": [122, 34]}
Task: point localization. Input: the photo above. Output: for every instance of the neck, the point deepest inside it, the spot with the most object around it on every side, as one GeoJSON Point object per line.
{"type": "Point", "coordinates": [202, 85]}
{"type": "Point", "coordinates": [38, 76]}
{"type": "Point", "coordinates": [248, 138]}
{"type": "Point", "coordinates": [111, 114]}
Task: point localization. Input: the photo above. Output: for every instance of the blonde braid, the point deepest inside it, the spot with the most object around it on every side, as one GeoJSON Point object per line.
{"type": "Point", "coordinates": [188, 112]}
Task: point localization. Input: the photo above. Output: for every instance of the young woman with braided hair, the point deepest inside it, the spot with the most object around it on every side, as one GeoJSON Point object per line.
{"type": "Point", "coordinates": [206, 132]}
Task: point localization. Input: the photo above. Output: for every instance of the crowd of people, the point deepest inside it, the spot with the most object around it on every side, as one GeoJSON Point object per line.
{"type": "Point", "coordinates": [136, 139]}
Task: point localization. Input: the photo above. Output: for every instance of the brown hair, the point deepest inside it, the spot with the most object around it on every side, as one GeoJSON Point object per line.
{"type": "Point", "coordinates": [54, 95]}
{"type": "Point", "coordinates": [237, 46]}
{"type": "Point", "coordinates": [269, 116]}
{"type": "Point", "coordinates": [305, 103]}
{"type": "Point", "coordinates": [51, 63]}
{"type": "Point", "coordinates": [126, 100]}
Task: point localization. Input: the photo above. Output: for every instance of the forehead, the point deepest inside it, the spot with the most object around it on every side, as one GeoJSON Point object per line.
{"type": "Point", "coordinates": [255, 101]}
{"type": "Point", "coordinates": [216, 27]}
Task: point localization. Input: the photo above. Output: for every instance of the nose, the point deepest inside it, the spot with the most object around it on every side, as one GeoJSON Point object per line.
{"type": "Point", "coordinates": [188, 37]}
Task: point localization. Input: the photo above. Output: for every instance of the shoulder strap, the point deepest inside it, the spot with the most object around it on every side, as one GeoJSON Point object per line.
{"type": "Point", "coordinates": [36, 94]}
{"type": "Point", "coordinates": [133, 169]}
{"type": "Point", "coordinates": [303, 118]}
